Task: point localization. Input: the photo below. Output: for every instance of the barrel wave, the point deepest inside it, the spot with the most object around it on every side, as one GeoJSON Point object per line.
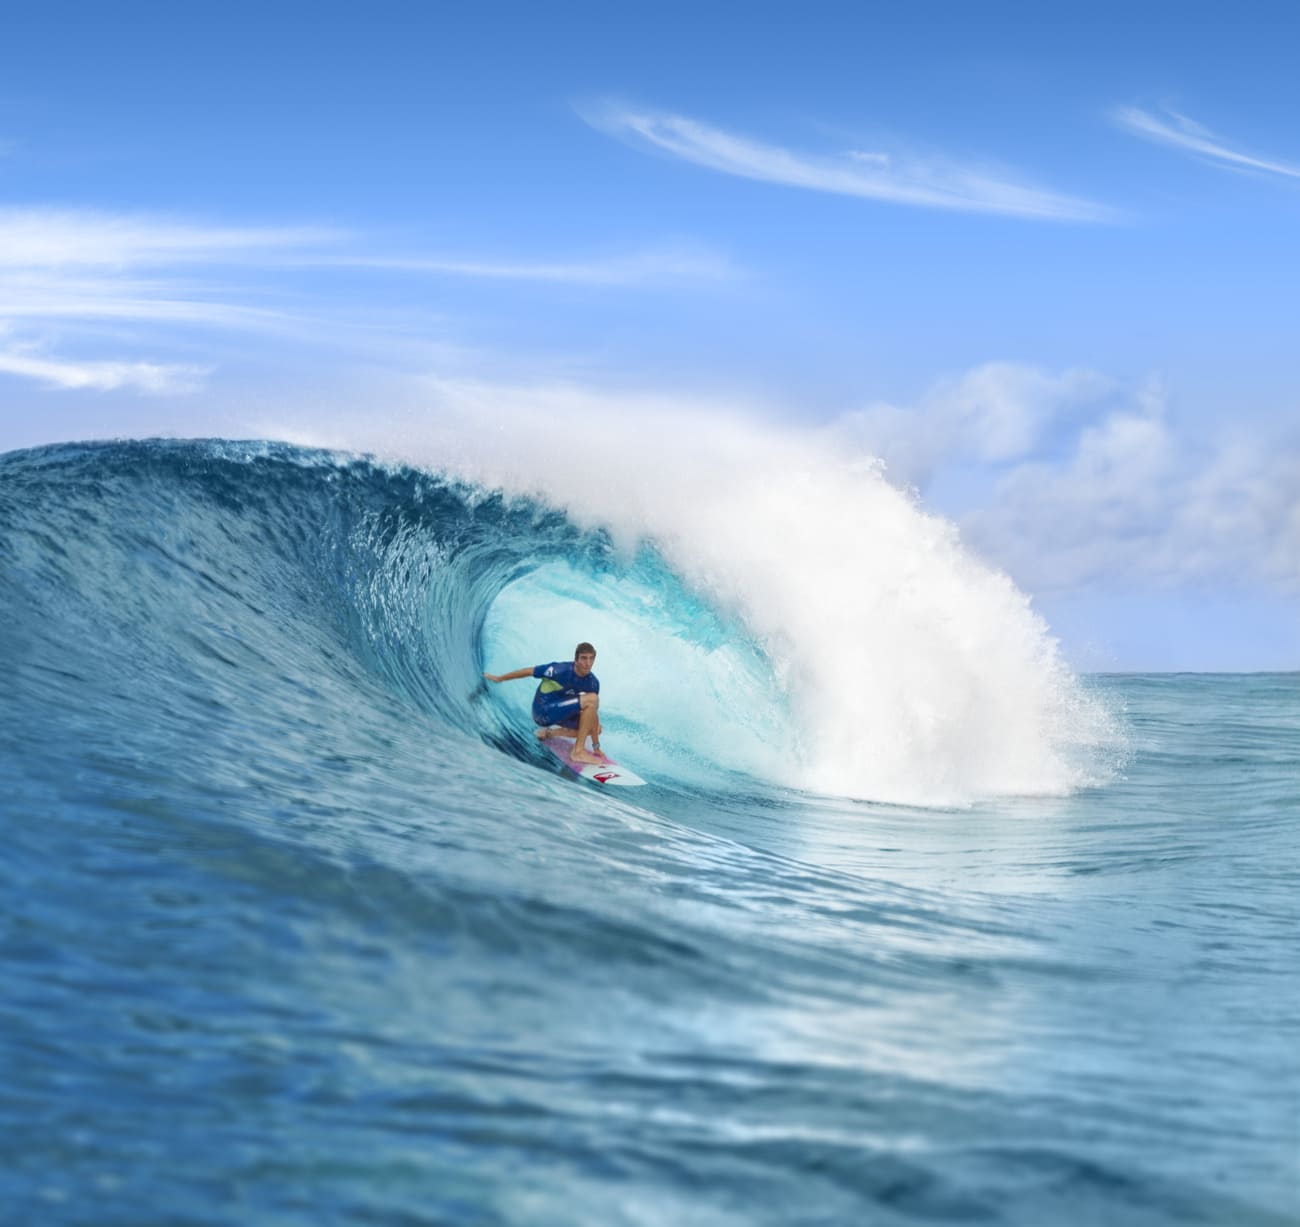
{"type": "Point", "coordinates": [305, 586]}
{"type": "Point", "coordinates": [331, 572]}
{"type": "Point", "coordinates": [299, 925]}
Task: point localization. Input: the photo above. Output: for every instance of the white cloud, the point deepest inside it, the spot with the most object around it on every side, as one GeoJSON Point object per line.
{"type": "Point", "coordinates": [932, 183]}
{"type": "Point", "coordinates": [652, 267]}
{"type": "Point", "coordinates": [1085, 481]}
{"type": "Point", "coordinates": [63, 238]}
{"type": "Point", "coordinates": [83, 268]}
{"type": "Point", "coordinates": [996, 413]}
{"type": "Point", "coordinates": [103, 376]}
{"type": "Point", "coordinates": [77, 296]}
{"type": "Point", "coordinates": [1136, 503]}
{"type": "Point", "coordinates": [1183, 133]}
{"type": "Point", "coordinates": [73, 268]}
{"type": "Point", "coordinates": [72, 243]}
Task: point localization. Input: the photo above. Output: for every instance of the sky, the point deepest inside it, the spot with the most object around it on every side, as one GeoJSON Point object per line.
{"type": "Point", "coordinates": [1040, 260]}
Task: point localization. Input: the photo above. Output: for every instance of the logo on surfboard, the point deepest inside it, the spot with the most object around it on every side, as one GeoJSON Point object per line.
{"type": "Point", "coordinates": [604, 777]}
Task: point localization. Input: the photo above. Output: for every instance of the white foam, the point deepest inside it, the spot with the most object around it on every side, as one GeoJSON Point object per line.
{"type": "Point", "coordinates": [915, 672]}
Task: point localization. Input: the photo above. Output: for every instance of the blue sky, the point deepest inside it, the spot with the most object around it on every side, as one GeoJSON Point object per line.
{"type": "Point", "coordinates": [1041, 259]}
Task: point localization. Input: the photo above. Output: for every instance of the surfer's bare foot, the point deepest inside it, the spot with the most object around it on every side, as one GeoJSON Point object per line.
{"type": "Point", "coordinates": [586, 756]}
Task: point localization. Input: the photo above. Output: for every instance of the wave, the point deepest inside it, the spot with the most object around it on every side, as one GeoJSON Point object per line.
{"type": "Point", "coordinates": [281, 872]}
{"type": "Point", "coordinates": [804, 626]}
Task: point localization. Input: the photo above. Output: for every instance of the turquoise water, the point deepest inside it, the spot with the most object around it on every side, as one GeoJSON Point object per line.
{"type": "Point", "coordinates": [298, 926]}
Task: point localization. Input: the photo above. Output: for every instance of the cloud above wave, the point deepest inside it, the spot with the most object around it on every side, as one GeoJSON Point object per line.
{"type": "Point", "coordinates": [151, 377]}
{"type": "Point", "coordinates": [79, 270]}
{"type": "Point", "coordinates": [1073, 479]}
{"type": "Point", "coordinates": [1180, 132]}
{"type": "Point", "coordinates": [77, 241]}
{"type": "Point", "coordinates": [67, 274]}
{"type": "Point", "coordinates": [649, 268]}
{"type": "Point", "coordinates": [885, 176]}
{"type": "Point", "coordinates": [68, 238]}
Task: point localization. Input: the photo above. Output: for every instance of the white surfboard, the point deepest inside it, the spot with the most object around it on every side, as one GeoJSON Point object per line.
{"type": "Point", "coordinates": [605, 772]}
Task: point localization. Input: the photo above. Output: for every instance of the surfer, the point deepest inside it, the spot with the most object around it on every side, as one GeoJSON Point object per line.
{"type": "Point", "coordinates": [567, 702]}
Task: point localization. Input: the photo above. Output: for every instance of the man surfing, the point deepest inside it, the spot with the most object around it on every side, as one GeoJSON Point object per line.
{"type": "Point", "coordinates": [567, 702]}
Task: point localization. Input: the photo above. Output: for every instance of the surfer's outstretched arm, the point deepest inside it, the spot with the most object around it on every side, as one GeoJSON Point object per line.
{"type": "Point", "coordinates": [508, 677]}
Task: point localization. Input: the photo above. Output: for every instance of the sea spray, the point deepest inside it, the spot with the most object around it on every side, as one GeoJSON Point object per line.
{"type": "Point", "coordinates": [906, 668]}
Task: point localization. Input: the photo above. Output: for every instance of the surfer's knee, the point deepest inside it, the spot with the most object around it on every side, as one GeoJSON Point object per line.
{"type": "Point", "coordinates": [590, 700]}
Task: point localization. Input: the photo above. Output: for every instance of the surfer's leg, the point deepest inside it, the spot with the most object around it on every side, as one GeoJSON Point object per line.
{"type": "Point", "coordinates": [556, 719]}
{"type": "Point", "coordinates": [587, 721]}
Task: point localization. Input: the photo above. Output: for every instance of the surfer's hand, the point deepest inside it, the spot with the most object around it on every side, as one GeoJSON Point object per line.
{"type": "Point", "coordinates": [492, 677]}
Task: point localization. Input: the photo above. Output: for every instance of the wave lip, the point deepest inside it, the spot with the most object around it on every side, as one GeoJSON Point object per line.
{"type": "Point", "coordinates": [906, 669]}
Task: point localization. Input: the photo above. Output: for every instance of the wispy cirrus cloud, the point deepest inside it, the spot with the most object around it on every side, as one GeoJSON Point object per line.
{"type": "Point", "coordinates": [70, 238]}
{"type": "Point", "coordinates": [54, 295]}
{"type": "Point", "coordinates": [53, 372]}
{"type": "Point", "coordinates": [85, 269]}
{"type": "Point", "coordinates": [79, 269]}
{"type": "Point", "coordinates": [871, 175]}
{"type": "Point", "coordinates": [648, 268]}
{"type": "Point", "coordinates": [68, 241]}
{"type": "Point", "coordinates": [1180, 132]}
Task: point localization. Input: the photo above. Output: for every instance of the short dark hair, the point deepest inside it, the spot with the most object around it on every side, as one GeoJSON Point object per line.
{"type": "Point", "coordinates": [583, 647]}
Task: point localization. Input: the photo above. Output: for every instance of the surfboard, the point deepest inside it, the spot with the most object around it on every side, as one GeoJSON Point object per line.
{"type": "Point", "coordinates": [605, 772]}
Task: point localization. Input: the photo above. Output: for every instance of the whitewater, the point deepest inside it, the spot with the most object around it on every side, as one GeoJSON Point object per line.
{"type": "Point", "coordinates": [913, 923]}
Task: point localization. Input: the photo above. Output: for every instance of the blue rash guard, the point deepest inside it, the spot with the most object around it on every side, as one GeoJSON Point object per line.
{"type": "Point", "coordinates": [558, 698]}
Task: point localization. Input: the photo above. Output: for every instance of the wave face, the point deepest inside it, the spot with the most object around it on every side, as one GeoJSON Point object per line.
{"type": "Point", "coordinates": [925, 680]}
{"type": "Point", "coordinates": [299, 921]}
{"type": "Point", "coordinates": [833, 636]}
{"type": "Point", "coordinates": [248, 575]}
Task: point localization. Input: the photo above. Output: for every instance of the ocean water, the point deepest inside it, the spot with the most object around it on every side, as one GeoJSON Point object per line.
{"type": "Point", "coordinates": [298, 926]}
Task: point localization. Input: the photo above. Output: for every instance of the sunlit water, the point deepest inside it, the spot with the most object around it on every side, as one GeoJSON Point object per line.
{"type": "Point", "coordinates": [299, 927]}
